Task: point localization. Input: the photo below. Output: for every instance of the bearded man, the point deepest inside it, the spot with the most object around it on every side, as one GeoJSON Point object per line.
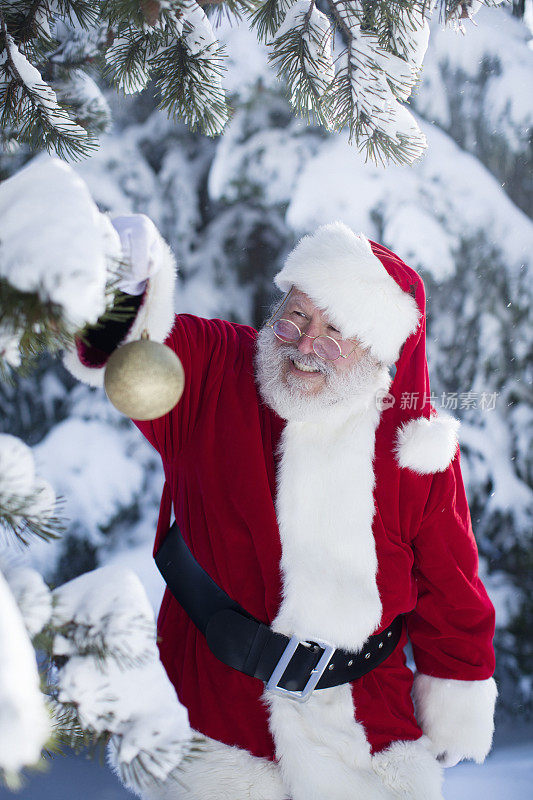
{"type": "Point", "coordinates": [333, 520]}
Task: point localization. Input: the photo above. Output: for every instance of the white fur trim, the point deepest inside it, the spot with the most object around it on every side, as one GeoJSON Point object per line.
{"type": "Point", "coordinates": [338, 270]}
{"type": "Point", "coordinates": [218, 772]}
{"type": "Point", "coordinates": [325, 494]}
{"type": "Point", "coordinates": [322, 750]}
{"type": "Point", "coordinates": [156, 315]}
{"type": "Point", "coordinates": [323, 753]}
{"type": "Point", "coordinates": [94, 376]}
{"type": "Point", "coordinates": [405, 771]}
{"type": "Point", "coordinates": [410, 770]}
{"type": "Point", "coordinates": [457, 716]}
{"type": "Point", "coordinates": [427, 445]}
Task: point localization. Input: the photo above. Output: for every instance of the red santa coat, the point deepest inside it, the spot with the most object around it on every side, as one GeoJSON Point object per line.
{"type": "Point", "coordinates": [396, 539]}
{"type": "Point", "coordinates": [218, 448]}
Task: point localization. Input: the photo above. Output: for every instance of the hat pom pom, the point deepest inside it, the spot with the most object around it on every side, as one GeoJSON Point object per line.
{"type": "Point", "coordinates": [427, 445]}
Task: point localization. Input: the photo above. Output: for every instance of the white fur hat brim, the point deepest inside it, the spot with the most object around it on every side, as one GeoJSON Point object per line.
{"type": "Point", "coordinates": [339, 272]}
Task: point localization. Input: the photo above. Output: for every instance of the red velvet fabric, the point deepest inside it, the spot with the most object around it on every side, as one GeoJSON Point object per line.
{"type": "Point", "coordinates": [219, 450]}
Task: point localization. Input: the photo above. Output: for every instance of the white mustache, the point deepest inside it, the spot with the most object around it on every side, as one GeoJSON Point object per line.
{"type": "Point", "coordinates": [308, 360]}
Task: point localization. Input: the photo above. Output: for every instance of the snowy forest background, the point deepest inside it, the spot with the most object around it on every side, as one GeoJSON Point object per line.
{"type": "Point", "coordinates": [233, 206]}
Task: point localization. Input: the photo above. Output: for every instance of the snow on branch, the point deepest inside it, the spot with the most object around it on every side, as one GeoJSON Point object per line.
{"type": "Point", "coordinates": [27, 502]}
{"type": "Point", "coordinates": [85, 100]}
{"type": "Point", "coordinates": [368, 84]}
{"type": "Point", "coordinates": [302, 53]}
{"type": "Point", "coordinates": [25, 726]}
{"type": "Point", "coordinates": [190, 74]}
{"type": "Point", "coordinates": [396, 25]}
{"type": "Point", "coordinates": [108, 685]}
{"type": "Point", "coordinates": [56, 251]}
{"type": "Point", "coordinates": [104, 614]}
{"type": "Point", "coordinates": [129, 59]}
{"type": "Point", "coordinates": [110, 682]}
{"type": "Point", "coordinates": [180, 50]}
{"type": "Point", "coordinates": [24, 96]}
{"type": "Point", "coordinates": [32, 596]}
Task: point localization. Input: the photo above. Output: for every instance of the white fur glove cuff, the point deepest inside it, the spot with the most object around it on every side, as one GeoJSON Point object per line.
{"type": "Point", "coordinates": [457, 716]}
{"type": "Point", "coordinates": [142, 249]}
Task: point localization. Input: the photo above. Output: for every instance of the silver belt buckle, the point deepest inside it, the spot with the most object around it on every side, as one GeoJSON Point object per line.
{"type": "Point", "coordinates": [303, 695]}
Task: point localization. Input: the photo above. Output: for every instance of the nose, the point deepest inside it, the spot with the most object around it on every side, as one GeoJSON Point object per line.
{"type": "Point", "coordinates": [305, 345]}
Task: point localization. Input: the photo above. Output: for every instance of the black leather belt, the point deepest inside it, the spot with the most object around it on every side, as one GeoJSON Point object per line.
{"type": "Point", "coordinates": [287, 665]}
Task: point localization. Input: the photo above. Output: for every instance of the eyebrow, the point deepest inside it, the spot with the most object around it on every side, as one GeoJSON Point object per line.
{"type": "Point", "coordinates": [295, 304]}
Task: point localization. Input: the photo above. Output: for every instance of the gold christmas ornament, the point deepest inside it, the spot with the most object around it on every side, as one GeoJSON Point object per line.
{"type": "Point", "coordinates": [144, 379]}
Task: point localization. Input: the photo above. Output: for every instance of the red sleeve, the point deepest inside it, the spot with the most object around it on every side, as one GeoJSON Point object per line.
{"type": "Point", "coordinates": [206, 349]}
{"type": "Point", "coordinates": [452, 627]}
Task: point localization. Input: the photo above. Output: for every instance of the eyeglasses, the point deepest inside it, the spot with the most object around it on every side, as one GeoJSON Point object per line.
{"type": "Point", "coordinates": [325, 347]}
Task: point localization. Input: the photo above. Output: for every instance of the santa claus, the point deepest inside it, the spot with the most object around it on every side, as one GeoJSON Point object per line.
{"type": "Point", "coordinates": [330, 515]}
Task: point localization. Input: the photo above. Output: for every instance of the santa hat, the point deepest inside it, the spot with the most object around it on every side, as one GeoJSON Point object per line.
{"type": "Point", "coordinates": [369, 293]}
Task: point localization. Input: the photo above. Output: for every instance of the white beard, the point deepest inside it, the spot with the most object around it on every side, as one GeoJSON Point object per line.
{"type": "Point", "coordinates": [342, 391]}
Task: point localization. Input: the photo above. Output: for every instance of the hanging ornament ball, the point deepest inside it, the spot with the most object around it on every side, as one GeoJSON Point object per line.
{"type": "Point", "coordinates": [144, 379]}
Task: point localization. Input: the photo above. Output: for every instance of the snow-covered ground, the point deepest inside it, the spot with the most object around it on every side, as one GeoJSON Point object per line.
{"type": "Point", "coordinates": [507, 773]}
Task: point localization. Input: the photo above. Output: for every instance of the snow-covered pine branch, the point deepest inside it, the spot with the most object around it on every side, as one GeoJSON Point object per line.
{"type": "Point", "coordinates": [173, 42]}
{"type": "Point", "coordinates": [74, 44]}
{"type": "Point", "coordinates": [368, 84]}
{"type": "Point", "coordinates": [25, 724]}
{"type": "Point", "coordinates": [302, 53]}
{"type": "Point", "coordinates": [30, 104]}
{"type": "Point", "coordinates": [268, 16]}
{"type": "Point", "coordinates": [195, 91]}
{"type": "Point", "coordinates": [37, 39]}
{"type": "Point", "coordinates": [402, 37]}
{"type": "Point", "coordinates": [396, 24]}
{"type": "Point", "coordinates": [85, 100]}
{"type": "Point", "coordinates": [57, 253]}
{"type": "Point", "coordinates": [104, 614]}
{"type": "Point", "coordinates": [27, 502]}
{"type": "Point", "coordinates": [181, 51]}
{"type": "Point", "coordinates": [110, 684]}
{"type": "Point", "coordinates": [129, 58]}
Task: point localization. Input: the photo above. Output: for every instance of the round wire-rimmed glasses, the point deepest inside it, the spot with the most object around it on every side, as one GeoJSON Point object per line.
{"type": "Point", "coordinates": [325, 347]}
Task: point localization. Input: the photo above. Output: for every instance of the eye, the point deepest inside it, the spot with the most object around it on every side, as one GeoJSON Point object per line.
{"type": "Point", "coordinates": [299, 314]}
{"type": "Point", "coordinates": [331, 328]}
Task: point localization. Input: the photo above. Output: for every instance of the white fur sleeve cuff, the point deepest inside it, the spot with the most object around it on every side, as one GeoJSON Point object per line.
{"type": "Point", "coordinates": [156, 315]}
{"type": "Point", "coordinates": [457, 716]}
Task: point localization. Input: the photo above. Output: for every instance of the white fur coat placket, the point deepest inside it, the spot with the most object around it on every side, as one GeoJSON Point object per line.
{"type": "Point", "coordinates": [325, 509]}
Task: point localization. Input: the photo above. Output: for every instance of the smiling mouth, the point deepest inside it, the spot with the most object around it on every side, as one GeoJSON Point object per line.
{"type": "Point", "coordinates": [304, 368]}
